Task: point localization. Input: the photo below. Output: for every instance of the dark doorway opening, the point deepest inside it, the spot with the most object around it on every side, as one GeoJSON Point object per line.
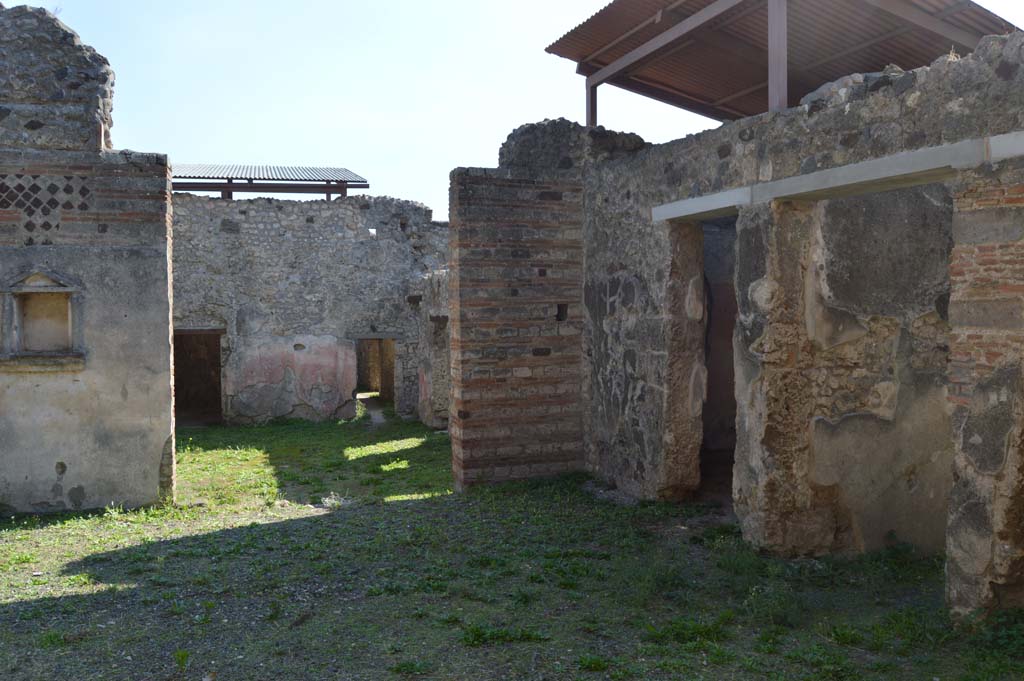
{"type": "Point", "coordinates": [197, 368]}
{"type": "Point", "coordinates": [375, 367]}
{"type": "Point", "coordinates": [719, 414]}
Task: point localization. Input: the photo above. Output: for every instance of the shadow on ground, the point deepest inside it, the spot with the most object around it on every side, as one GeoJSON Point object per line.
{"type": "Point", "coordinates": [396, 579]}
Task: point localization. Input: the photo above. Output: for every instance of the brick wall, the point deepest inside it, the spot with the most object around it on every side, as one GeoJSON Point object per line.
{"type": "Point", "coordinates": [516, 316]}
{"type": "Point", "coordinates": [985, 542]}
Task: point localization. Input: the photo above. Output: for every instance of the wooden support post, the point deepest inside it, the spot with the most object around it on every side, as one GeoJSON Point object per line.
{"type": "Point", "coordinates": [226, 194]}
{"type": "Point", "coordinates": [591, 105]}
{"type": "Point", "coordinates": [778, 56]}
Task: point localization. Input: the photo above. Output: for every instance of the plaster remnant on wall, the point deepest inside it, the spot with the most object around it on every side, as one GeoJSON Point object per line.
{"type": "Point", "coordinates": [316, 274]}
{"type": "Point", "coordinates": [695, 298]}
{"type": "Point", "coordinates": [90, 229]}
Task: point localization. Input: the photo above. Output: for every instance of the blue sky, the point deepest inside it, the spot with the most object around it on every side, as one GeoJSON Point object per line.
{"type": "Point", "coordinates": [400, 91]}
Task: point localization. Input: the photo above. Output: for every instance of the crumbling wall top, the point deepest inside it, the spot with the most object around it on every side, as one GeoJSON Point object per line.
{"type": "Point", "coordinates": [562, 144]}
{"type": "Point", "coordinates": [55, 92]}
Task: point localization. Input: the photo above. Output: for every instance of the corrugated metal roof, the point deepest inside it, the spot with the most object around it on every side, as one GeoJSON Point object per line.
{"type": "Point", "coordinates": [205, 171]}
{"type": "Point", "coordinates": [720, 70]}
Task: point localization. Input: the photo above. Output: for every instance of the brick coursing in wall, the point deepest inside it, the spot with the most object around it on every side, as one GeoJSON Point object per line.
{"type": "Point", "coordinates": [94, 225]}
{"type": "Point", "coordinates": [845, 306]}
{"type": "Point", "coordinates": [516, 317]}
{"type": "Point", "coordinates": [985, 533]}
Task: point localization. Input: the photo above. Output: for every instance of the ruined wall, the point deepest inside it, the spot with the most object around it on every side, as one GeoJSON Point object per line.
{"type": "Point", "coordinates": [843, 306]}
{"type": "Point", "coordinates": [985, 565]}
{"type": "Point", "coordinates": [55, 92]}
{"type": "Point", "coordinates": [295, 284]}
{"type": "Point", "coordinates": [841, 372]}
{"type": "Point", "coordinates": [517, 304]}
{"type": "Point", "coordinates": [435, 372]}
{"type": "Point", "coordinates": [843, 337]}
{"type": "Point", "coordinates": [85, 388]}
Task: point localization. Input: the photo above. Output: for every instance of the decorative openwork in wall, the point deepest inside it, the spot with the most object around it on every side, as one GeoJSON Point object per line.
{"type": "Point", "coordinates": [41, 200]}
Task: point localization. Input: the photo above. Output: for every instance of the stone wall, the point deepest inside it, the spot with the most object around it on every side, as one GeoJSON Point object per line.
{"type": "Point", "coordinates": [85, 350]}
{"type": "Point", "coordinates": [435, 372]}
{"type": "Point", "coordinates": [55, 92]}
{"type": "Point", "coordinates": [841, 358]}
{"type": "Point", "coordinates": [985, 566]}
{"type": "Point", "coordinates": [843, 334]}
{"type": "Point", "coordinates": [294, 284]}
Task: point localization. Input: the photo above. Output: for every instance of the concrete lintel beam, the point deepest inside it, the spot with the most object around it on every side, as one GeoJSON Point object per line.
{"type": "Point", "coordinates": [705, 207]}
{"type": "Point", "coordinates": [905, 169]}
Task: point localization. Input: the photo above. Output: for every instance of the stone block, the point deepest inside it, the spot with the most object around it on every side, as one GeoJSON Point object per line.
{"type": "Point", "coordinates": [987, 226]}
{"type": "Point", "coordinates": [1005, 313]}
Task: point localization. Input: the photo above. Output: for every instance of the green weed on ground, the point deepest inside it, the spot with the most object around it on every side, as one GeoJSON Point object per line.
{"type": "Point", "coordinates": [301, 551]}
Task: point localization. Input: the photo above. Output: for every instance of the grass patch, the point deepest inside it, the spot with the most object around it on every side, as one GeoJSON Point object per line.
{"type": "Point", "coordinates": [297, 550]}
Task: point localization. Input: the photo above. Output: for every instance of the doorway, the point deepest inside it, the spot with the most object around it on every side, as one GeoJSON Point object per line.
{"type": "Point", "coordinates": [719, 413]}
{"type": "Point", "coordinates": [700, 404]}
{"type": "Point", "coordinates": [197, 370]}
{"type": "Point", "coordinates": [375, 375]}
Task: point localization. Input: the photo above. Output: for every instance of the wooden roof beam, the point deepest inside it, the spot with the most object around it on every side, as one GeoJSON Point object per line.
{"type": "Point", "coordinates": [911, 14]}
{"type": "Point", "coordinates": [662, 41]}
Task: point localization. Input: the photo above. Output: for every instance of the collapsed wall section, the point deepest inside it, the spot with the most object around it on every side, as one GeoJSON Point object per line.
{"type": "Point", "coordinates": [55, 92]}
{"type": "Point", "coordinates": [86, 417]}
{"type": "Point", "coordinates": [294, 285]}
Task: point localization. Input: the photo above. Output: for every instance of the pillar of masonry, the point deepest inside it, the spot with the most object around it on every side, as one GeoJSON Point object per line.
{"type": "Point", "coordinates": [985, 535]}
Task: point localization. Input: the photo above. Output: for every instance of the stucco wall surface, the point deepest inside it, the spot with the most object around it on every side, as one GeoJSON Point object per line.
{"type": "Point", "coordinates": [86, 420]}
{"type": "Point", "coordinates": [294, 284]}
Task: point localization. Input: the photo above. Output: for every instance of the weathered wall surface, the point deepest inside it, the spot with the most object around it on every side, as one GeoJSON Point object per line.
{"type": "Point", "coordinates": [844, 437]}
{"type": "Point", "coordinates": [86, 419]}
{"type": "Point", "coordinates": [846, 305]}
{"type": "Point", "coordinates": [517, 304]}
{"type": "Point", "coordinates": [55, 92]}
{"type": "Point", "coordinates": [295, 284]}
{"type": "Point", "coordinates": [985, 564]}
{"type": "Point", "coordinates": [435, 372]}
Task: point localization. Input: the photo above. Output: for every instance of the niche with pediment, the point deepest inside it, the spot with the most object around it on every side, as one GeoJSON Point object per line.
{"type": "Point", "coordinates": [40, 323]}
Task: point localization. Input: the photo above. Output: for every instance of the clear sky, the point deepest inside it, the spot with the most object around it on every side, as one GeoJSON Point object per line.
{"type": "Point", "coordinates": [398, 91]}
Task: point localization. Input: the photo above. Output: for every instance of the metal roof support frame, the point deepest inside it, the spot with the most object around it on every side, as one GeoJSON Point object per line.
{"type": "Point", "coordinates": [648, 51]}
{"type": "Point", "coordinates": [778, 55]}
{"type": "Point", "coordinates": [904, 10]}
